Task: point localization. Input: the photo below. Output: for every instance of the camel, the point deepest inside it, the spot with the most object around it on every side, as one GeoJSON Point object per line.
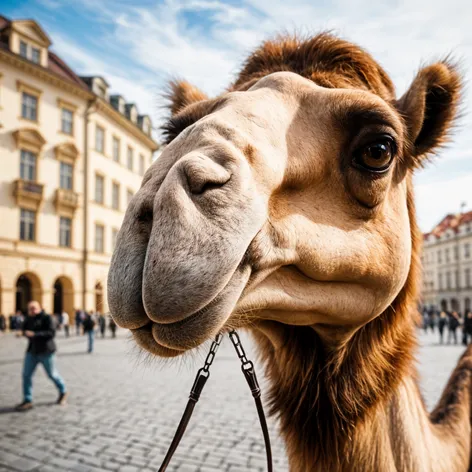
{"type": "Point", "coordinates": [285, 205]}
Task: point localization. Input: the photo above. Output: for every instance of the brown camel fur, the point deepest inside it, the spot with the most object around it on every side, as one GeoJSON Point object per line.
{"type": "Point", "coordinates": [286, 206]}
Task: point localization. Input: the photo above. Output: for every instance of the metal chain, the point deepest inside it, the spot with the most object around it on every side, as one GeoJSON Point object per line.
{"type": "Point", "coordinates": [233, 335]}
{"type": "Point", "coordinates": [211, 355]}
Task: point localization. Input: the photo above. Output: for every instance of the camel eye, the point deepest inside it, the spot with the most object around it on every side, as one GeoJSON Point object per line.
{"type": "Point", "coordinates": [376, 156]}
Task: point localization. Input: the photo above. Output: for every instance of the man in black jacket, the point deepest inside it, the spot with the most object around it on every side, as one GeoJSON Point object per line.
{"type": "Point", "coordinates": [38, 327]}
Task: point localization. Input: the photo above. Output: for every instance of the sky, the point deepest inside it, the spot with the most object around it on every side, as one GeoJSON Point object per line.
{"type": "Point", "coordinates": [139, 46]}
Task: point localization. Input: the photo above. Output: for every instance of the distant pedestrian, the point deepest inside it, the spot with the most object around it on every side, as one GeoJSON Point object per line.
{"type": "Point", "coordinates": [65, 323]}
{"type": "Point", "coordinates": [442, 322]}
{"type": "Point", "coordinates": [467, 327]}
{"type": "Point", "coordinates": [112, 326]}
{"type": "Point", "coordinates": [19, 319]}
{"type": "Point", "coordinates": [432, 321]}
{"type": "Point", "coordinates": [102, 323]}
{"type": "Point", "coordinates": [454, 322]}
{"type": "Point", "coordinates": [39, 329]}
{"type": "Point", "coordinates": [3, 323]}
{"type": "Point", "coordinates": [89, 329]}
{"type": "Point", "coordinates": [78, 321]}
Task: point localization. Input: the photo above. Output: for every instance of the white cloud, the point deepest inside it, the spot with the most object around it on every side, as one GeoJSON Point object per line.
{"type": "Point", "coordinates": [436, 199]}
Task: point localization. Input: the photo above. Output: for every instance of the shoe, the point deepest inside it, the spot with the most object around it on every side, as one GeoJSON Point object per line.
{"type": "Point", "coordinates": [62, 400]}
{"type": "Point", "coordinates": [25, 406]}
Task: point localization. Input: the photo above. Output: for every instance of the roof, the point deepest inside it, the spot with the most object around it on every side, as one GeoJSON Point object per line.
{"type": "Point", "coordinates": [450, 221]}
{"type": "Point", "coordinates": [55, 63]}
{"type": "Point", "coordinates": [89, 79]}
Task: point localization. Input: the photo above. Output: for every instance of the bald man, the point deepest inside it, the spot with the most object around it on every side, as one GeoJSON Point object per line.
{"type": "Point", "coordinates": [39, 329]}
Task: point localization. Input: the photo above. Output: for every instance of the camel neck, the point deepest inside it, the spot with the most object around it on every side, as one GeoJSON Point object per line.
{"type": "Point", "coordinates": [360, 410]}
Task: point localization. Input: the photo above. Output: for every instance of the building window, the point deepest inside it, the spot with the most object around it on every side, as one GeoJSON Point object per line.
{"type": "Point", "coordinates": [99, 185]}
{"type": "Point", "coordinates": [130, 159]}
{"type": "Point", "coordinates": [114, 235]}
{"type": "Point", "coordinates": [467, 278]}
{"type": "Point", "coordinates": [446, 252]}
{"type": "Point", "coordinates": [456, 253]}
{"type": "Point", "coordinates": [67, 121]}
{"type": "Point", "coordinates": [448, 280]}
{"type": "Point", "coordinates": [23, 49]}
{"type": "Point", "coordinates": [65, 176]}
{"type": "Point", "coordinates": [65, 225]}
{"type": "Point", "coordinates": [29, 106]}
{"type": "Point", "coordinates": [27, 225]}
{"type": "Point", "coordinates": [115, 196]}
{"type": "Point", "coordinates": [99, 238]}
{"type": "Point", "coordinates": [129, 196]}
{"type": "Point", "coordinates": [27, 165]}
{"type": "Point", "coordinates": [458, 283]}
{"type": "Point", "coordinates": [100, 139]}
{"type": "Point", "coordinates": [102, 91]}
{"type": "Point", "coordinates": [466, 250]}
{"type": "Point", "coordinates": [35, 55]}
{"type": "Point", "coordinates": [141, 164]}
{"type": "Point", "coordinates": [440, 281]}
{"type": "Point", "coordinates": [116, 149]}
{"type": "Point", "coordinates": [439, 256]}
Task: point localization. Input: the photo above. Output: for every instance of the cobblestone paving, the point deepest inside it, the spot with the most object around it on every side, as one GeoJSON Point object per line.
{"type": "Point", "coordinates": [124, 408]}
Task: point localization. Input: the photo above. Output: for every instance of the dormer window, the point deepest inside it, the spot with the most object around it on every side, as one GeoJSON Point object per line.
{"type": "Point", "coordinates": [23, 49]}
{"type": "Point", "coordinates": [30, 52]}
{"type": "Point", "coordinates": [35, 55]}
{"type": "Point", "coordinates": [102, 91]}
{"type": "Point", "coordinates": [27, 39]}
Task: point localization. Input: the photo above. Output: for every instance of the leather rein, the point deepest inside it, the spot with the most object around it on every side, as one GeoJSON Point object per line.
{"type": "Point", "coordinates": [200, 380]}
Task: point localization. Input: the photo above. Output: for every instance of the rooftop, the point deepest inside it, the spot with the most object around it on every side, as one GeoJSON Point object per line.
{"type": "Point", "coordinates": [450, 221]}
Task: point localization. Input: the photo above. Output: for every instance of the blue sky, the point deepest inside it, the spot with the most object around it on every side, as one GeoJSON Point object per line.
{"type": "Point", "coordinates": [139, 45]}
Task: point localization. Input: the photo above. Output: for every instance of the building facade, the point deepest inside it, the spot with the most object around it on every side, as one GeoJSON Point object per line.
{"type": "Point", "coordinates": [71, 157]}
{"type": "Point", "coordinates": [447, 264]}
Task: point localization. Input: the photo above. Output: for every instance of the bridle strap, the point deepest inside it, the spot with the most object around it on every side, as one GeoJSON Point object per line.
{"type": "Point", "coordinates": [200, 380]}
{"type": "Point", "coordinates": [250, 374]}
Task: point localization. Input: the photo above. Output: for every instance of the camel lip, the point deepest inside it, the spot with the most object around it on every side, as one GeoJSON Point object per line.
{"type": "Point", "coordinates": [186, 334]}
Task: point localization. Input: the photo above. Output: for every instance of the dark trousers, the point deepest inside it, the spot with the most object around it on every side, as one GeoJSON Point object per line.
{"type": "Point", "coordinates": [66, 330]}
{"type": "Point", "coordinates": [441, 333]}
{"type": "Point", "coordinates": [453, 333]}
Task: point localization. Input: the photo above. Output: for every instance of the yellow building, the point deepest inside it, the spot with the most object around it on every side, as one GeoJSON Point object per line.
{"type": "Point", "coordinates": [71, 157]}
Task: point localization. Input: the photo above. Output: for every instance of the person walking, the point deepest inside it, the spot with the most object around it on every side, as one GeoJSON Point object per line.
{"type": "Point", "coordinates": [65, 323]}
{"type": "Point", "coordinates": [89, 329]}
{"type": "Point", "coordinates": [38, 327]}
{"type": "Point", "coordinates": [102, 323]}
{"type": "Point", "coordinates": [3, 323]}
{"type": "Point", "coordinates": [442, 322]}
{"type": "Point", "coordinates": [467, 327]}
{"type": "Point", "coordinates": [78, 321]}
{"type": "Point", "coordinates": [112, 326]}
{"type": "Point", "coordinates": [454, 322]}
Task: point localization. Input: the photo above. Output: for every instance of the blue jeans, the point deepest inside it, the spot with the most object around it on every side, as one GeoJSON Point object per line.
{"type": "Point", "coordinates": [91, 337]}
{"type": "Point", "coordinates": [29, 366]}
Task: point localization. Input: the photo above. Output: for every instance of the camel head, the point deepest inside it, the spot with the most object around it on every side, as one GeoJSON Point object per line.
{"type": "Point", "coordinates": [285, 201]}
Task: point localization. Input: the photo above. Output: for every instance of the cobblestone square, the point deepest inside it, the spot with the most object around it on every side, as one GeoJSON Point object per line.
{"type": "Point", "coordinates": [124, 407]}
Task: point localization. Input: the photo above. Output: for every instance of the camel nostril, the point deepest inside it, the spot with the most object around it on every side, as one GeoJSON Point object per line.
{"type": "Point", "coordinates": [205, 176]}
{"type": "Point", "coordinates": [207, 186]}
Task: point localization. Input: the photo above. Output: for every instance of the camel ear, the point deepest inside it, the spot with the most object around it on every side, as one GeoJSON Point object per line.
{"type": "Point", "coordinates": [181, 94]}
{"type": "Point", "coordinates": [429, 108]}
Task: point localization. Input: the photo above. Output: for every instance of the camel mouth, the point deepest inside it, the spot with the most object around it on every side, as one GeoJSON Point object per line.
{"type": "Point", "coordinates": [175, 338]}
